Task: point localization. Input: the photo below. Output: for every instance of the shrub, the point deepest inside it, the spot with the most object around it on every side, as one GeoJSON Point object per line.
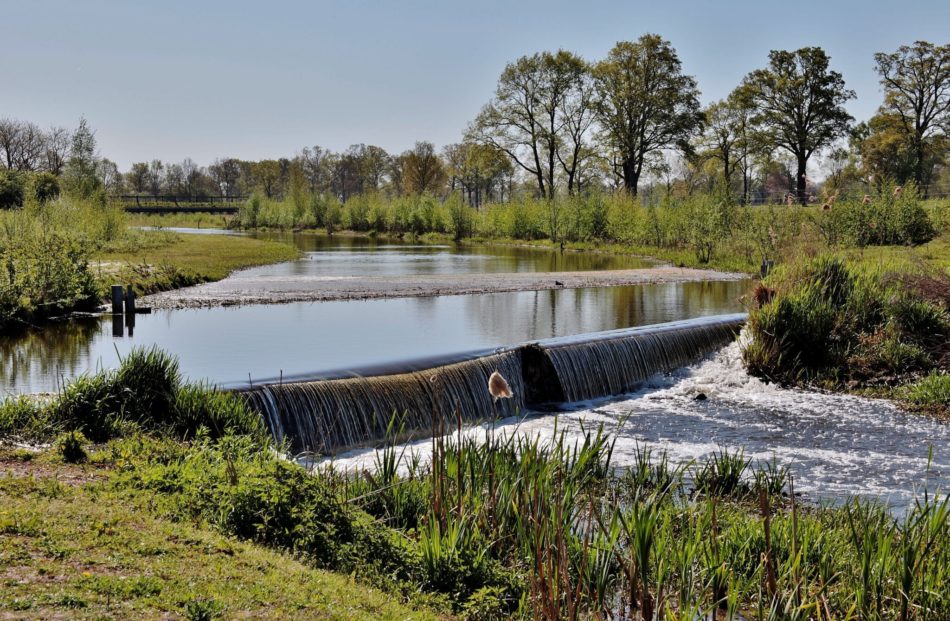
{"type": "Point", "coordinates": [44, 187]}
{"type": "Point", "coordinates": [11, 189]}
{"type": "Point", "coordinates": [145, 393]}
{"type": "Point", "coordinates": [830, 323]}
{"type": "Point", "coordinates": [69, 446]}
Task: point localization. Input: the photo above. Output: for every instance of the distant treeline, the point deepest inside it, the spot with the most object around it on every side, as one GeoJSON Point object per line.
{"type": "Point", "coordinates": [558, 124]}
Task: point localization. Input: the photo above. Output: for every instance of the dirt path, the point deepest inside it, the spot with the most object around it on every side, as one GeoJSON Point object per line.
{"type": "Point", "coordinates": [270, 290]}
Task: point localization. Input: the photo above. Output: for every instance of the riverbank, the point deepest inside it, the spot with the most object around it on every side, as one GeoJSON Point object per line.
{"type": "Point", "coordinates": [168, 260]}
{"type": "Point", "coordinates": [166, 520]}
{"type": "Point", "coordinates": [73, 546]}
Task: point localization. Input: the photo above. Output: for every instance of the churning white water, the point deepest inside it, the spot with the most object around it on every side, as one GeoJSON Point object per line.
{"type": "Point", "coordinates": [835, 445]}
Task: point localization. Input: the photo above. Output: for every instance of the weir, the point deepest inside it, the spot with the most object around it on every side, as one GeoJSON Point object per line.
{"type": "Point", "coordinates": [327, 415]}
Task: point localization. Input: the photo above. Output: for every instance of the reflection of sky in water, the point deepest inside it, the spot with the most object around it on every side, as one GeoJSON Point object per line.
{"type": "Point", "coordinates": [227, 344]}
{"type": "Point", "coordinates": [835, 445]}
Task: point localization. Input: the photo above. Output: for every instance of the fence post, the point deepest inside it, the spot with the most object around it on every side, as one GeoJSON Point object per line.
{"type": "Point", "coordinates": [130, 301]}
{"type": "Point", "coordinates": [117, 299]}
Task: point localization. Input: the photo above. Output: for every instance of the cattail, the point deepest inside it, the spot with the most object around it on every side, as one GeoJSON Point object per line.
{"type": "Point", "coordinates": [498, 388]}
{"type": "Point", "coordinates": [866, 200]}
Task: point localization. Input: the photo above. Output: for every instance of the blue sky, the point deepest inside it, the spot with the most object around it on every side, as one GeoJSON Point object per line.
{"type": "Point", "coordinates": [201, 79]}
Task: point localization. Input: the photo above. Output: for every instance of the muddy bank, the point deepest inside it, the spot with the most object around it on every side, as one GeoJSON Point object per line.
{"type": "Point", "coordinates": [243, 289]}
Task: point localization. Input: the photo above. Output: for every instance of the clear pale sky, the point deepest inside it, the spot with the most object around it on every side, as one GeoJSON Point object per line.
{"type": "Point", "coordinates": [171, 79]}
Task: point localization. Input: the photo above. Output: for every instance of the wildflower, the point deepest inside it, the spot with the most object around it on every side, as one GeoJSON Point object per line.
{"type": "Point", "coordinates": [498, 387]}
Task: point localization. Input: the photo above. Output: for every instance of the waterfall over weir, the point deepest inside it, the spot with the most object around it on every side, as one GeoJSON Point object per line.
{"type": "Point", "coordinates": [328, 415]}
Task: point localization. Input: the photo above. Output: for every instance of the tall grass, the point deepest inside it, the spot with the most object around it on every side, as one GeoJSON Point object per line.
{"type": "Point", "coordinates": [824, 321]}
{"type": "Point", "coordinates": [146, 393]}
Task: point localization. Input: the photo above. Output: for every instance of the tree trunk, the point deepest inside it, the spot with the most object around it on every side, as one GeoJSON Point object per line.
{"type": "Point", "coordinates": [800, 180]}
{"type": "Point", "coordinates": [631, 177]}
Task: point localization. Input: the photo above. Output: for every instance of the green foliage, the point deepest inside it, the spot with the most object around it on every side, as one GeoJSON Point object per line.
{"type": "Point", "coordinates": [11, 189]}
{"type": "Point", "coordinates": [933, 390]}
{"type": "Point", "coordinates": [723, 474]}
{"type": "Point", "coordinates": [145, 393]}
{"type": "Point", "coordinates": [893, 216]}
{"type": "Point", "coordinates": [44, 187]}
{"type": "Point", "coordinates": [830, 323]}
{"type": "Point", "coordinates": [201, 609]}
{"type": "Point", "coordinates": [69, 446]}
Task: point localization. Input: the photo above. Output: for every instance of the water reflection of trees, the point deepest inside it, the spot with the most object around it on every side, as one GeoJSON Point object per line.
{"type": "Point", "coordinates": [52, 352]}
{"type": "Point", "coordinates": [512, 318]}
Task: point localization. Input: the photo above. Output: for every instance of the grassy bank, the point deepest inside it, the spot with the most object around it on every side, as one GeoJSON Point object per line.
{"type": "Point", "coordinates": [879, 324]}
{"type": "Point", "coordinates": [170, 260]}
{"type": "Point", "coordinates": [61, 256]}
{"type": "Point", "coordinates": [500, 528]}
{"type": "Point", "coordinates": [700, 230]}
{"type": "Point", "coordinates": [74, 547]}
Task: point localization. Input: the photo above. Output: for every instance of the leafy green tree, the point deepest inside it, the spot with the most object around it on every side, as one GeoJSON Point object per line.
{"type": "Point", "coordinates": [916, 82]}
{"type": "Point", "coordinates": [540, 116]}
{"type": "Point", "coordinates": [644, 103]}
{"type": "Point", "coordinates": [422, 170]}
{"type": "Point", "coordinates": [82, 167]}
{"type": "Point", "coordinates": [800, 105]}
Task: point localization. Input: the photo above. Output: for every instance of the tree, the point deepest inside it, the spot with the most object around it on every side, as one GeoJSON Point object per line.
{"type": "Point", "coordinates": [539, 116]}
{"type": "Point", "coordinates": [11, 189]}
{"type": "Point", "coordinates": [422, 170]}
{"type": "Point", "coordinates": [21, 144]}
{"type": "Point", "coordinates": [644, 103]}
{"type": "Point", "coordinates": [723, 135]}
{"type": "Point", "coordinates": [374, 164]}
{"type": "Point", "coordinates": [81, 171]}
{"type": "Point", "coordinates": [916, 82]}
{"type": "Point", "coordinates": [137, 177]}
{"type": "Point", "coordinates": [226, 175]}
{"type": "Point", "coordinates": [56, 149]}
{"type": "Point", "coordinates": [800, 105]}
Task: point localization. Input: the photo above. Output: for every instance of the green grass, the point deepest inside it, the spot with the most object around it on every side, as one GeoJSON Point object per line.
{"type": "Point", "coordinates": [184, 220]}
{"type": "Point", "coordinates": [511, 526]}
{"type": "Point", "coordinates": [167, 261]}
{"type": "Point", "coordinates": [146, 393]}
{"type": "Point", "coordinates": [931, 391]}
{"type": "Point", "coordinates": [874, 324]}
{"type": "Point", "coordinates": [81, 550]}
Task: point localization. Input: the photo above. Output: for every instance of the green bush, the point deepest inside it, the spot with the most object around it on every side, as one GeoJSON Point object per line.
{"type": "Point", "coordinates": [44, 187]}
{"type": "Point", "coordinates": [145, 393]}
{"type": "Point", "coordinates": [826, 322]}
{"type": "Point", "coordinates": [11, 189]}
{"type": "Point", "coordinates": [69, 446]}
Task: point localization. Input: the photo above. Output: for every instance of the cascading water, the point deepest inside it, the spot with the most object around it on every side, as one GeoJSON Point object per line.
{"type": "Point", "coordinates": [618, 361]}
{"type": "Point", "coordinates": [324, 416]}
{"type": "Point", "coordinates": [328, 415]}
